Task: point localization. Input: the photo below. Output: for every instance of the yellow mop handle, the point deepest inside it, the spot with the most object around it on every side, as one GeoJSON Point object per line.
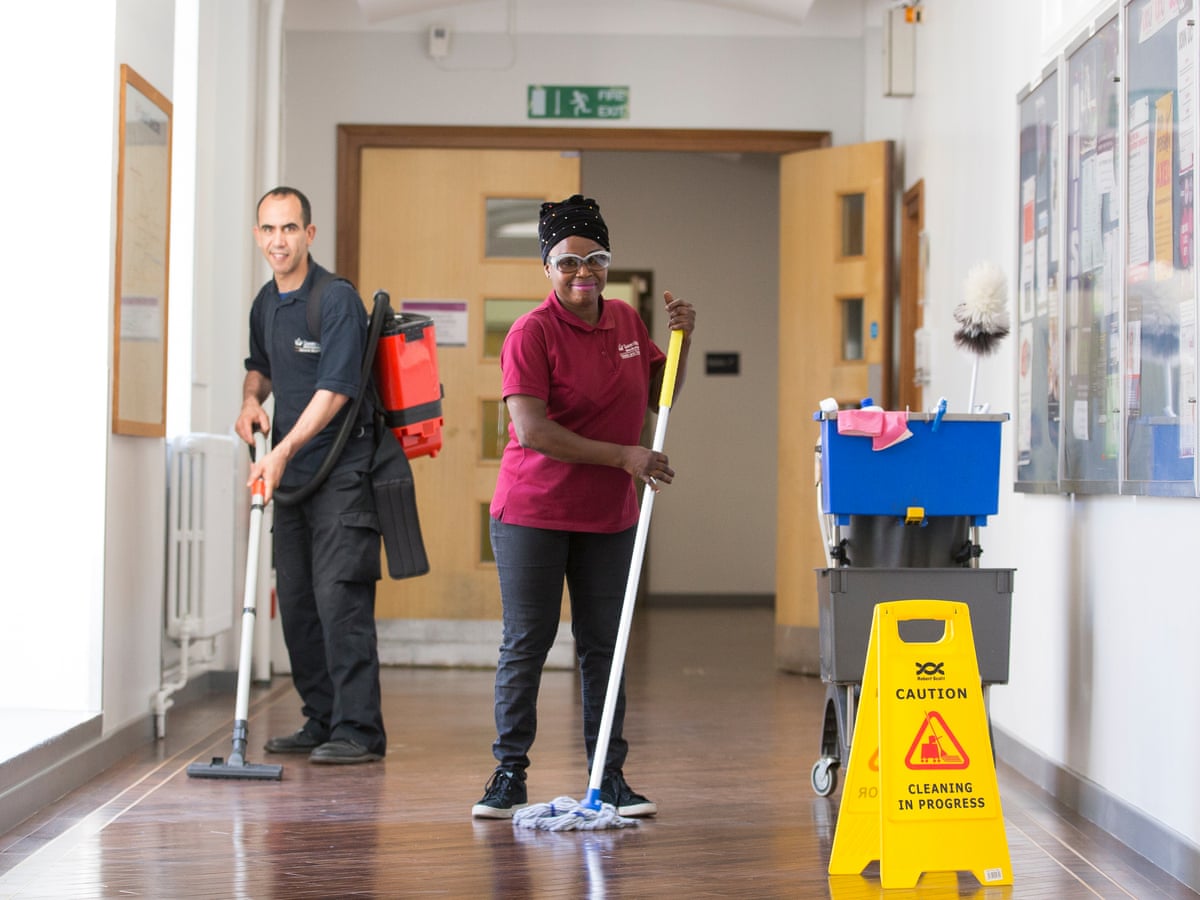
{"type": "Point", "coordinates": [668, 386]}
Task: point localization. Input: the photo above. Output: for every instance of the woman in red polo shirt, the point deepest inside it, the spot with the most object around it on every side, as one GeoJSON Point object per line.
{"type": "Point", "coordinates": [579, 373]}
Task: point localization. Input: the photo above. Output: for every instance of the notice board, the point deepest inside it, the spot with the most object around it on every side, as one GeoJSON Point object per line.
{"type": "Point", "coordinates": [1091, 432]}
{"type": "Point", "coordinates": [1159, 389]}
{"type": "Point", "coordinates": [1037, 419]}
{"type": "Point", "coordinates": [139, 405]}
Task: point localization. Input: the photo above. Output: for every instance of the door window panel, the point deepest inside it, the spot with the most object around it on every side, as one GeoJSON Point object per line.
{"type": "Point", "coordinates": [854, 224]}
{"type": "Point", "coordinates": [485, 538]}
{"type": "Point", "coordinates": [498, 316]}
{"type": "Point", "coordinates": [512, 228]}
{"type": "Point", "coordinates": [852, 329]}
{"type": "Point", "coordinates": [493, 428]}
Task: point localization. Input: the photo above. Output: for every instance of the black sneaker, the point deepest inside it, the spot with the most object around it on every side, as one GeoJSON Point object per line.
{"type": "Point", "coordinates": [628, 802]}
{"type": "Point", "coordinates": [504, 795]}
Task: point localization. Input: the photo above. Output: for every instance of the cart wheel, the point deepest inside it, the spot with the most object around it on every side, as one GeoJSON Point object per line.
{"type": "Point", "coordinates": [824, 776]}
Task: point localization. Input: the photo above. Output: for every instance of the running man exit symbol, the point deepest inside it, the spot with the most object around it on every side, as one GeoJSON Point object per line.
{"type": "Point", "coordinates": [560, 101]}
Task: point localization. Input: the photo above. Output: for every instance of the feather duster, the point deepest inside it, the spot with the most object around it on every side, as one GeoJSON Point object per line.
{"type": "Point", "coordinates": [982, 316]}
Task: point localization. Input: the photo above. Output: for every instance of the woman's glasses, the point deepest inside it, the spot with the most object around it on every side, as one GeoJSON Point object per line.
{"type": "Point", "coordinates": [570, 263]}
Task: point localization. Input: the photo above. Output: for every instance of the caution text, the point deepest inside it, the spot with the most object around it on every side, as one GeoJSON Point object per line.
{"type": "Point", "coordinates": [932, 693]}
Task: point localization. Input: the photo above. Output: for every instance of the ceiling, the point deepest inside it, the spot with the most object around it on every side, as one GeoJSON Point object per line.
{"type": "Point", "coordinates": [790, 11]}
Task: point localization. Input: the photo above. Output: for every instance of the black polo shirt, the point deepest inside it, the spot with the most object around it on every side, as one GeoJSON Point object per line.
{"type": "Point", "coordinates": [298, 364]}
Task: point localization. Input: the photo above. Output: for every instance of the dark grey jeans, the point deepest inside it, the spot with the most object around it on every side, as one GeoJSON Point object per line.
{"type": "Point", "coordinates": [533, 563]}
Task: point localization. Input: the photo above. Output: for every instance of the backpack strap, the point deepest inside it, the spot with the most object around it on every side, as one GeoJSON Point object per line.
{"type": "Point", "coordinates": [316, 294]}
{"type": "Point", "coordinates": [259, 308]}
{"type": "Point", "coordinates": [312, 311]}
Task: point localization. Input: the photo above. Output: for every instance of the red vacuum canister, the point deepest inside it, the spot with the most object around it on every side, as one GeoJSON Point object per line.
{"type": "Point", "coordinates": [406, 373]}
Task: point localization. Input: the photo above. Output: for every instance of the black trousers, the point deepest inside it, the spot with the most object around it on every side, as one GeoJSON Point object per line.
{"type": "Point", "coordinates": [533, 564]}
{"type": "Point", "coordinates": [327, 564]}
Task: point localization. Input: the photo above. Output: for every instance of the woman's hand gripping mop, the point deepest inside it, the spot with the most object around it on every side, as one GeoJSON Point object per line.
{"type": "Point", "coordinates": [565, 813]}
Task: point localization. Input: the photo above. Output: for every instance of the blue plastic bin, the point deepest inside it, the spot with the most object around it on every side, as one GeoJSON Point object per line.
{"type": "Point", "coordinates": [951, 471]}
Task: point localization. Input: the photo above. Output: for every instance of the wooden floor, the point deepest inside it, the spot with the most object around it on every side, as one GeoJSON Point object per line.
{"type": "Point", "coordinates": [719, 739]}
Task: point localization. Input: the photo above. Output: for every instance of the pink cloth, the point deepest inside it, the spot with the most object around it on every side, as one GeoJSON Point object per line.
{"type": "Point", "coordinates": [885, 428]}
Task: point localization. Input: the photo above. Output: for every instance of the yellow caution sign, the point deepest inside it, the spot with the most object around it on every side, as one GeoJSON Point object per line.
{"type": "Point", "coordinates": [921, 792]}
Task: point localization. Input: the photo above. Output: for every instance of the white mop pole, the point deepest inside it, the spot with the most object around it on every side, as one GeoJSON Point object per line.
{"type": "Point", "coordinates": [592, 801]}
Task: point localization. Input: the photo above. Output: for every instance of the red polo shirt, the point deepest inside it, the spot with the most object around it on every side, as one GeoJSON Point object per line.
{"type": "Point", "coordinates": [595, 381]}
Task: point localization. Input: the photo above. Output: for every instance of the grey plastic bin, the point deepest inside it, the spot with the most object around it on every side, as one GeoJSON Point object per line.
{"type": "Point", "coordinates": [847, 599]}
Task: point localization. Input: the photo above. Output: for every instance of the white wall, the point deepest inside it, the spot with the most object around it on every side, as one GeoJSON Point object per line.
{"type": "Point", "coordinates": [210, 293]}
{"type": "Point", "coordinates": [387, 77]}
{"type": "Point", "coordinates": [82, 547]}
{"type": "Point", "coordinates": [228, 267]}
{"type": "Point", "coordinates": [1103, 663]}
{"type": "Point", "coordinates": [57, 230]}
{"type": "Point", "coordinates": [134, 560]}
{"type": "Point", "coordinates": [707, 226]}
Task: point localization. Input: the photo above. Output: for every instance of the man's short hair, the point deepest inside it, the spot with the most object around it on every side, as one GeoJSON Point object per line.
{"type": "Point", "coordinates": [284, 191]}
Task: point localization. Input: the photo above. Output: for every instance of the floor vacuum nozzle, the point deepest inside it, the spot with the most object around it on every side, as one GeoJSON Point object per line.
{"type": "Point", "coordinates": [219, 768]}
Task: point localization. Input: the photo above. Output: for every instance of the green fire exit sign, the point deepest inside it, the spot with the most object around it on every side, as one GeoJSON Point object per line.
{"type": "Point", "coordinates": [556, 101]}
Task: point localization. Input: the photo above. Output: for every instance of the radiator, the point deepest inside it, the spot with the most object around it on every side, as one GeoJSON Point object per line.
{"type": "Point", "coordinates": [202, 476]}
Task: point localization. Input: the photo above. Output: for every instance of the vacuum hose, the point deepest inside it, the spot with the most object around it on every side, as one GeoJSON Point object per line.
{"type": "Point", "coordinates": [381, 312]}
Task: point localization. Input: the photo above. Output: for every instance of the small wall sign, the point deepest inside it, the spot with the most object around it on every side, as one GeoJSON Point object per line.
{"type": "Point", "coordinates": [722, 363]}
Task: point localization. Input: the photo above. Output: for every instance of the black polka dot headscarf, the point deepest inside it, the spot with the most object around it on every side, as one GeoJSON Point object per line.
{"type": "Point", "coordinates": [576, 215]}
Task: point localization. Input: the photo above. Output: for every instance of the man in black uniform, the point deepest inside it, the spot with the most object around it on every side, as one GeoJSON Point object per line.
{"type": "Point", "coordinates": [326, 546]}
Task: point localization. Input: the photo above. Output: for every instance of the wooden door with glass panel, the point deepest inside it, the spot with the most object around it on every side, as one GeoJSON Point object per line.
{"type": "Point", "coordinates": [458, 226]}
{"type": "Point", "coordinates": [835, 309]}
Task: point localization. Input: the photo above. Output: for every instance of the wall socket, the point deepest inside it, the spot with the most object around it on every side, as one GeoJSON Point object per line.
{"type": "Point", "coordinates": [439, 41]}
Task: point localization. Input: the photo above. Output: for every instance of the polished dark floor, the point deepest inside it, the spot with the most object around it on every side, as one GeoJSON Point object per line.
{"type": "Point", "coordinates": [722, 741]}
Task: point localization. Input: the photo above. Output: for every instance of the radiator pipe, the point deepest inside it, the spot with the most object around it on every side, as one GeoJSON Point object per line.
{"type": "Point", "coordinates": [163, 696]}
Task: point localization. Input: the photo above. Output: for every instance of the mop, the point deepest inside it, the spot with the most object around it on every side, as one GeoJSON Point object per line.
{"type": "Point", "coordinates": [982, 316]}
{"type": "Point", "coordinates": [590, 814]}
{"type": "Point", "coordinates": [236, 766]}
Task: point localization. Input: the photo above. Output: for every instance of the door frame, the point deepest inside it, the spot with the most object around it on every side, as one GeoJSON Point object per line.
{"type": "Point", "coordinates": [910, 395]}
{"type": "Point", "coordinates": [353, 139]}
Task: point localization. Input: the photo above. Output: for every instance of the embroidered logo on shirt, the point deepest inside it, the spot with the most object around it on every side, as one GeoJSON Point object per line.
{"type": "Point", "coordinates": [303, 346]}
{"type": "Point", "coordinates": [630, 350]}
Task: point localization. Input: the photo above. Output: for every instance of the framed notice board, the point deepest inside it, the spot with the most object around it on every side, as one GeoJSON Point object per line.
{"type": "Point", "coordinates": [143, 237]}
{"type": "Point", "coordinates": [1159, 389]}
{"type": "Point", "coordinates": [1091, 403]}
{"type": "Point", "coordinates": [1038, 406]}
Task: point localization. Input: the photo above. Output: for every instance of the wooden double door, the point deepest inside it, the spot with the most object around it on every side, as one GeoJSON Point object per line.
{"type": "Point", "coordinates": [414, 221]}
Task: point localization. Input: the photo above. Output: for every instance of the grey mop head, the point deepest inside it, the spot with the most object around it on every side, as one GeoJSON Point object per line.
{"type": "Point", "coordinates": [567, 814]}
{"type": "Point", "coordinates": [983, 314]}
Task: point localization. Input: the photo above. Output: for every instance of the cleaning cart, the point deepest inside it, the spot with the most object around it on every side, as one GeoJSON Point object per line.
{"type": "Point", "coordinates": [901, 509]}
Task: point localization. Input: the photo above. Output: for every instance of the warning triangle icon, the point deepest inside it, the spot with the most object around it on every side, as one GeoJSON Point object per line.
{"type": "Point", "coordinates": [935, 746]}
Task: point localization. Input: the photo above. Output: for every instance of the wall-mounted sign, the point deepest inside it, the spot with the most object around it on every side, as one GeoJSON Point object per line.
{"type": "Point", "coordinates": [449, 319]}
{"type": "Point", "coordinates": [555, 101]}
{"type": "Point", "coordinates": [722, 363]}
